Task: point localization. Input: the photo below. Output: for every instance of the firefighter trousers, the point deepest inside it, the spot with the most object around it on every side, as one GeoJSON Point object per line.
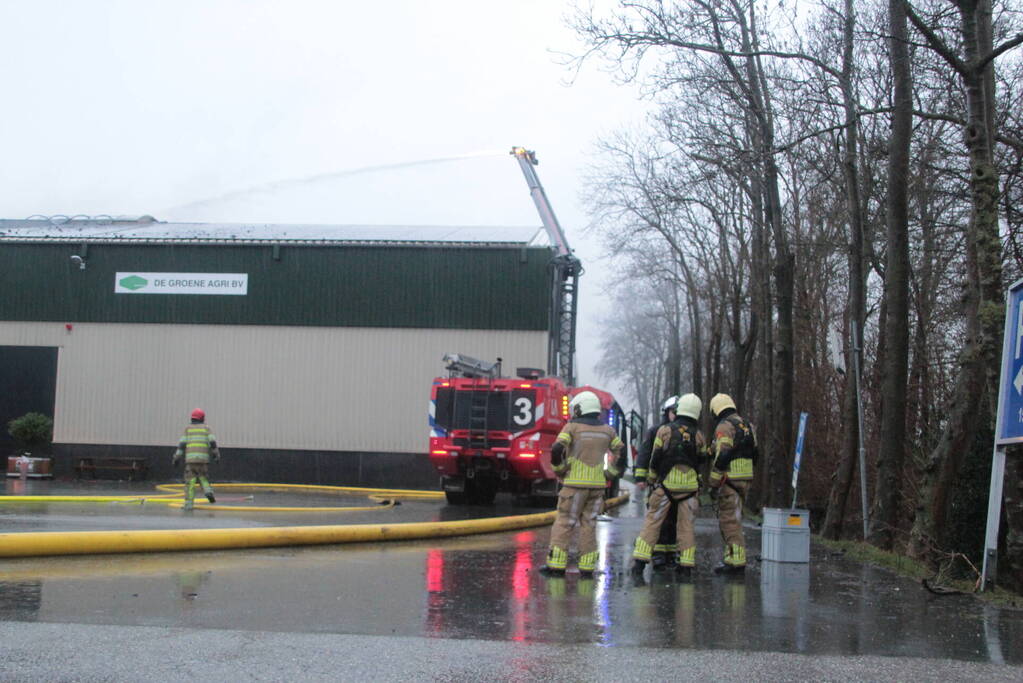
{"type": "Point", "coordinates": [667, 541]}
{"type": "Point", "coordinates": [196, 473]}
{"type": "Point", "coordinates": [577, 509]}
{"type": "Point", "coordinates": [730, 498]}
{"type": "Point", "coordinates": [658, 505]}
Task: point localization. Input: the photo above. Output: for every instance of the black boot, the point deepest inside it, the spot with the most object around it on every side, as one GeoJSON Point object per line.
{"type": "Point", "coordinates": [660, 561]}
{"type": "Point", "coordinates": [729, 569]}
{"type": "Point", "coordinates": [551, 571]}
{"type": "Point", "coordinates": [638, 568]}
{"type": "Point", "coordinates": [210, 497]}
{"type": "Point", "coordinates": [683, 571]}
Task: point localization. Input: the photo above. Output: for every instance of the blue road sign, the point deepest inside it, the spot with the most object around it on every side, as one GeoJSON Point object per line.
{"type": "Point", "coordinates": [799, 447]}
{"type": "Point", "coordinates": [1010, 393]}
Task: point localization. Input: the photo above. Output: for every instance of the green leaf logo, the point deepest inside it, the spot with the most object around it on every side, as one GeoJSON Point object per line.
{"type": "Point", "coordinates": [134, 282]}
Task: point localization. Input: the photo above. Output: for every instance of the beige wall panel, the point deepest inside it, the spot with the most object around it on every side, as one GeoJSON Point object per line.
{"type": "Point", "coordinates": [303, 388]}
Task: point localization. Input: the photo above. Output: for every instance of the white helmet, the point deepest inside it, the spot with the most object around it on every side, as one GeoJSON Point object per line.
{"type": "Point", "coordinates": [720, 403]}
{"type": "Point", "coordinates": [584, 403]}
{"type": "Point", "coordinates": [669, 403]}
{"type": "Point", "coordinates": [689, 405]}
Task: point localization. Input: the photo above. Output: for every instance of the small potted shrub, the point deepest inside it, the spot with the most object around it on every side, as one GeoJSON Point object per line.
{"type": "Point", "coordinates": [33, 432]}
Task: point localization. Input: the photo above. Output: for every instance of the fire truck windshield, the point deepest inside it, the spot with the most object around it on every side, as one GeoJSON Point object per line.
{"type": "Point", "coordinates": [511, 410]}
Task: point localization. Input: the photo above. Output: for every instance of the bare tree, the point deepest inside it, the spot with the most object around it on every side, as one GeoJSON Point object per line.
{"type": "Point", "coordinates": [982, 294]}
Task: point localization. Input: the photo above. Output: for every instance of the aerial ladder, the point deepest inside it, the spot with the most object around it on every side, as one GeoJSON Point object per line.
{"type": "Point", "coordinates": [566, 271]}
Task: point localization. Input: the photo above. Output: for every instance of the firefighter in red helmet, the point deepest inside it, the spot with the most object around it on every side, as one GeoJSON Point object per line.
{"type": "Point", "coordinates": [197, 446]}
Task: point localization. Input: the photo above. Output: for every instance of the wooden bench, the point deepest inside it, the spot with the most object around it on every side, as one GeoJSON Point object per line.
{"type": "Point", "coordinates": [135, 467]}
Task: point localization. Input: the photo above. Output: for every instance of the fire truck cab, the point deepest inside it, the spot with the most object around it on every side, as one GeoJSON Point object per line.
{"type": "Point", "coordinates": [490, 433]}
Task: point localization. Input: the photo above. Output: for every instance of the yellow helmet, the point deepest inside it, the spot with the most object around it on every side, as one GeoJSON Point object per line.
{"type": "Point", "coordinates": [584, 403]}
{"type": "Point", "coordinates": [689, 405]}
{"type": "Point", "coordinates": [720, 403]}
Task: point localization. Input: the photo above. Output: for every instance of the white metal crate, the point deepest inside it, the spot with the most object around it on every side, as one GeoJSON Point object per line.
{"type": "Point", "coordinates": [785, 535]}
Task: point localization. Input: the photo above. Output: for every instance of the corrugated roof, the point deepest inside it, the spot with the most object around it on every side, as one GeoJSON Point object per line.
{"type": "Point", "coordinates": [148, 229]}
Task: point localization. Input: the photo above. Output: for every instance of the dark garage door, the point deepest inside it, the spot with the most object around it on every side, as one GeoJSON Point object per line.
{"type": "Point", "coordinates": [28, 384]}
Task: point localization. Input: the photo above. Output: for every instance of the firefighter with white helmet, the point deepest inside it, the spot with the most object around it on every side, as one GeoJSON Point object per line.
{"type": "Point", "coordinates": [734, 449]}
{"type": "Point", "coordinates": [578, 458]}
{"type": "Point", "coordinates": [665, 550]}
{"type": "Point", "coordinates": [679, 449]}
{"type": "Point", "coordinates": [197, 445]}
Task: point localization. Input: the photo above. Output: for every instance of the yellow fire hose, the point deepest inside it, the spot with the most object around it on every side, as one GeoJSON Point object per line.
{"type": "Point", "coordinates": [34, 544]}
{"type": "Point", "coordinates": [385, 497]}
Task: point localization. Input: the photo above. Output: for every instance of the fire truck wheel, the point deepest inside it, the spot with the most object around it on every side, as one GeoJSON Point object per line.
{"type": "Point", "coordinates": [455, 497]}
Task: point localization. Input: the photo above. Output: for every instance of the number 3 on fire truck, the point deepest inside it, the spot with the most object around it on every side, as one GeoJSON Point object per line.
{"type": "Point", "coordinates": [525, 414]}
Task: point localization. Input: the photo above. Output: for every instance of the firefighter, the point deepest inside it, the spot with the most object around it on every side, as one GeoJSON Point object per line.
{"type": "Point", "coordinates": [679, 448]}
{"type": "Point", "coordinates": [578, 459]}
{"type": "Point", "coordinates": [197, 445]}
{"type": "Point", "coordinates": [735, 451]}
{"type": "Point", "coordinates": [665, 550]}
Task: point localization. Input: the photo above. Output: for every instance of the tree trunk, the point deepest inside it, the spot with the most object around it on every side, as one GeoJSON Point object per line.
{"type": "Point", "coordinates": [839, 495]}
{"type": "Point", "coordinates": [891, 455]}
{"type": "Point", "coordinates": [693, 306]}
{"type": "Point", "coordinates": [761, 302]}
{"type": "Point", "coordinates": [779, 441]}
{"type": "Point", "coordinates": [983, 305]}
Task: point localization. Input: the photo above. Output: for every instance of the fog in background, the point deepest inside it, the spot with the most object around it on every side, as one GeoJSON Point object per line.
{"type": "Point", "coordinates": [175, 109]}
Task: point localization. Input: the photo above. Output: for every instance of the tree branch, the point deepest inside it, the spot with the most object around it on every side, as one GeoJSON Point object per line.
{"type": "Point", "coordinates": [652, 39]}
{"type": "Point", "coordinates": [812, 134]}
{"type": "Point", "coordinates": [935, 42]}
{"type": "Point", "coordinates": [999, 51]}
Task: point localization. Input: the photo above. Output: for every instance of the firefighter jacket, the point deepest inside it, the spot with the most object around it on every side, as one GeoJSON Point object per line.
{"type": "Point", "coordinates": [586, 440]}
{"type": "Point", "coordinates": [679, 449]}
{"type": "Point", "coordinates": [641, 471]}
{"type": "Point", "coordinates": [734, 449]}
{"type": "Point", "coordinates": [197, 444]}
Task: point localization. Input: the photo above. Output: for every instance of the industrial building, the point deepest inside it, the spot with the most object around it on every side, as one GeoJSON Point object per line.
{"type": "Point", "coordinates": [311, 348]}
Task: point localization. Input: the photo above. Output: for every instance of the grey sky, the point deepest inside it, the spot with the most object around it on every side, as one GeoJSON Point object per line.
{"type": "Point", "coordinates": [147, 107]}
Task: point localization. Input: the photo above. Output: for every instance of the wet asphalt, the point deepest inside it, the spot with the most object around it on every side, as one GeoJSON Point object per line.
{"type": "Point", "coordinates": [472, 608]}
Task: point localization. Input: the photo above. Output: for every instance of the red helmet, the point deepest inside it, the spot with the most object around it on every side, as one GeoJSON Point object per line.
{"type": "Point", "coordinates": [198, 414]}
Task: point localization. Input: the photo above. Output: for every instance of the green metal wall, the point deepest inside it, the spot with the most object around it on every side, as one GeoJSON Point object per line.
{"type": "Point", "coordinates": [346, 286]}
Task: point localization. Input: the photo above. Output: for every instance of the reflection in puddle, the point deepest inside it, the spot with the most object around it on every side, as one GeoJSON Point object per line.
{"type": "Point", "coordinates": [785, 594]}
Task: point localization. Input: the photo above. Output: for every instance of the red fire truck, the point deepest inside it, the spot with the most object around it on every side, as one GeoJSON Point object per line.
{"type": "Point", "coordinates": [491, 433]}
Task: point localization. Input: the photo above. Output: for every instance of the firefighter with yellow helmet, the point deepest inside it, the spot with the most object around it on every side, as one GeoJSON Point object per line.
{"type": "Point", "coordinates": [578, 459]}
{"type": "Point", "coordinates": [734, 449]}
{"type": "Point", "coordinates": [678, 451]}
{"type": "Point", "coordinates": [197, 445]}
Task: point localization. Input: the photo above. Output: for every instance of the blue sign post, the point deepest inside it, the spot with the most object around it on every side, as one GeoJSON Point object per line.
{"type": "Point", "coordinates": [1008, 423]}
{"type": "Point", "coordinates": [1010, 391]}
{"type": "Point", "coordinates": [799, 454]}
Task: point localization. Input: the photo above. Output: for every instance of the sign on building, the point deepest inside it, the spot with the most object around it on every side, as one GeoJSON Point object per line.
{"type": "Point", "coordinates": [235, 284]}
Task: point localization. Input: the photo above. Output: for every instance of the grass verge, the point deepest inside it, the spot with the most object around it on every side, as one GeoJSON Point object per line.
{"type": "Point", "coordinates": [905, 566]}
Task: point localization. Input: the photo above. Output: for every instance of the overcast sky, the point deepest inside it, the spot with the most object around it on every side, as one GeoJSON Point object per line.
{"type": "Point", "coordinates": [176, 108]}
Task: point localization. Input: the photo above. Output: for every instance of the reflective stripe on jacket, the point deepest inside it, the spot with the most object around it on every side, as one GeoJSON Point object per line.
{"type": "Point", "coordinates": [738, 469]}
{"type": "Point", "coordinates": [681, 477]}
{"type": "Point", "coordinates": [196, 443]}
{"type": "Point", "coordinates": [587, 444]}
